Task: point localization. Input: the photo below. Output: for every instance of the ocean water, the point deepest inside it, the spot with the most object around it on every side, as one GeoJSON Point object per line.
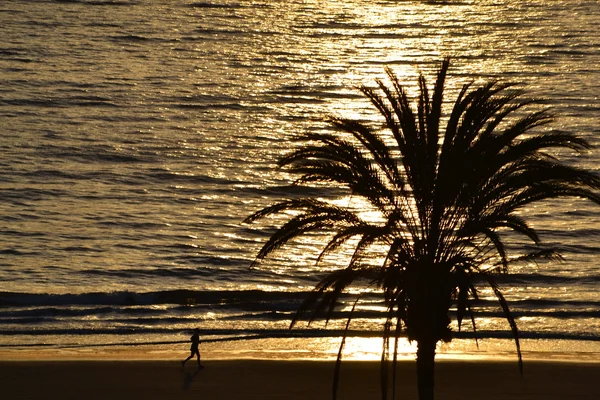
{"type": "Point", "coordinates": [135, 136]}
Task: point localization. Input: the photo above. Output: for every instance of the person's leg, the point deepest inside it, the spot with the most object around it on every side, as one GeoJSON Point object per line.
{"type": "Point", "coordinates": [198, 357]}
{"type": "Point", "coordinates": [184, 361]}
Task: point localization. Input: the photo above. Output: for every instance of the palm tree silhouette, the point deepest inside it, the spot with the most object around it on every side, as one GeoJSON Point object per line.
{"type": "Point", "coordinates": [446, 199]}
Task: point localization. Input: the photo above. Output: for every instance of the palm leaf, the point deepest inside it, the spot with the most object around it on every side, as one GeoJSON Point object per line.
{"type": "Point", "coordinates": [338, 361]}
{"type": "Point", "coordinates": [508, 315]}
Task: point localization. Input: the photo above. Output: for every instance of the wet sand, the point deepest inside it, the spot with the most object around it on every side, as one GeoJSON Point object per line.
{"type": "Point", "coordinates": [257, 379]}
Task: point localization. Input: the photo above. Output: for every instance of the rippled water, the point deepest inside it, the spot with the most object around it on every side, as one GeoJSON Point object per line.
{"type": "Point", "coordinates": [135, 136]}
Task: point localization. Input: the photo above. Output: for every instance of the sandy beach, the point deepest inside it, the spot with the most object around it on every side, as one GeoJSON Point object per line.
{"type": "Point", "coordinates": [260, 379]}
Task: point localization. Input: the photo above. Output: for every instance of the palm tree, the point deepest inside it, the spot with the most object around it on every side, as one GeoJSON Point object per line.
{"type": "Point", "coordinates": [447, 201]}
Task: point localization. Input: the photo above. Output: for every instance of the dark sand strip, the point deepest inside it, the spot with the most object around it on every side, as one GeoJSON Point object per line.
{"type": "Point", "coordinates": [255, 379]}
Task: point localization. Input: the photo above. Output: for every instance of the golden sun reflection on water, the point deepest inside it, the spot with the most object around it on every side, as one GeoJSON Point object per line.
{"type": "Point", "coordinates": [365, 349]}
{"type": "Point", "coordinates": [370, 349]}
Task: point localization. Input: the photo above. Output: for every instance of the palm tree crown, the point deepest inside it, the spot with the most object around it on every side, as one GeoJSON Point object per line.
{"type": "Point", "coordinates": [446, 199]}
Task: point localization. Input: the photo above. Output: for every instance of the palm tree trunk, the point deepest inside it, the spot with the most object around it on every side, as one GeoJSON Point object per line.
{"type": "Point", "coordinates": [425, 368]}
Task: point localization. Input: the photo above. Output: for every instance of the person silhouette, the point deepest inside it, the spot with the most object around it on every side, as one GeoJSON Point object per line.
{"type": "Point", "coordinates": [195, 339]}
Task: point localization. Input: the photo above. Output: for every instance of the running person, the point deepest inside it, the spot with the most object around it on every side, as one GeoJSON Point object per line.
{"type": "Point", "coordinates": [195, 339]}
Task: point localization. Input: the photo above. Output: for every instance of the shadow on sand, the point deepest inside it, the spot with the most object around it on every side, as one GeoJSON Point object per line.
{"type": "Point", "coordinates": [188, 377]}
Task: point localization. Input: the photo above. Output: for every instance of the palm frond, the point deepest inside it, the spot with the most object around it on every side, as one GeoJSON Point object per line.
{"type": "Point", "coordinates": [323, 299]}
{"type": "Point", "coordinates": [313, 205]}
{"type": "Point", "coordinates": [338, 361]}
{"type": "Point", "coordinates": [509, 317]}
{"type": "Point", "coordinates": [319, 215]}
{"type": "Point", "coordinates": [343, 236]}
{"type": "Point", "coordinates": [374, 145]}
{"type": "Point", "coordinates": [549, 254]}
{"type": "Point", "coordinates": [338, 161]}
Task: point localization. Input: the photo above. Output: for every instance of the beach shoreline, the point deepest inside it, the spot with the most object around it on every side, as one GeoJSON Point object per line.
{"type": "Point", "coordinates": [291, 370]}
{"type": "Point", "coordinates": [298, 349]}
{"type": "Point", "coordinates": [289, 379]}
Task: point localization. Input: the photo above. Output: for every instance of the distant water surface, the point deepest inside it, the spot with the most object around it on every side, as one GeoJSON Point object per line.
{"type": "Point", "coordinates": [135, 136]}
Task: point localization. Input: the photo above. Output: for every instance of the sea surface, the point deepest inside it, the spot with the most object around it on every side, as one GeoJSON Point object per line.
{"type": "Point", "coordinates": [135, 136]}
